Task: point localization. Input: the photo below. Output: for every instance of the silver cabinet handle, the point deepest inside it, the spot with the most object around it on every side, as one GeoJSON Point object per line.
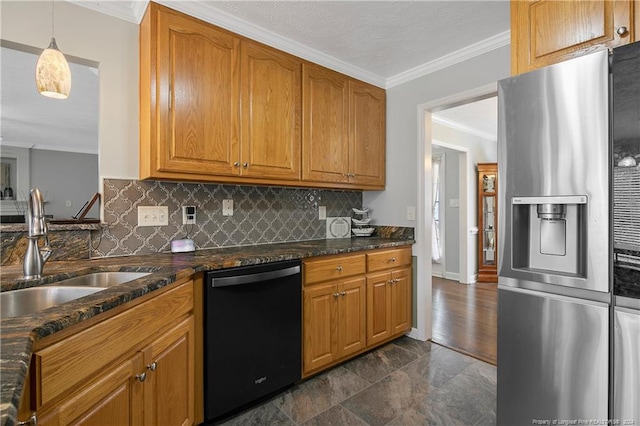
{"type": "Point", "coordinates": [141, 377]}
{"type": "Point", "coordinates": [393, 259]}
{"type": "Point", "coordinates": [622, 31]}
{"type": "Point", "coordinates": [236, 164]}
{"type": "Point", "coordinates": [245, 165]}
{"type": "Point", "coordinates": [339, 268]}
{"type": "Point", "coordinates": [343, 293]}
{"type": "Point", "coordinates": [152, 366]}
{"type": "Point", "coordinates": [33, 421]}
{"type": "Point", "coordinates": [336, 294]}
{"type": "Point", "coordinates": [389, 281]}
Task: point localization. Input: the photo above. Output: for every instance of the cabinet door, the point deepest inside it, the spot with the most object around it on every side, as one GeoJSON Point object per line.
{"type": "Point", "coordinates": [352, 317]}
{"type": "Point", "coordinates": [401, 290]}
{"type": "Point", "coordinates": [271, 107]}
{"type": "Point", "coordinates": [115, 398]}
{"type": "Point", "coordinates": [325, 141]}
{"type": "Point", "coordinates": [197, 97]}
{"type": "Point", "coordinates": [320, 326]}
{"type": "Point", "coordinates": [367, 134]}
{"type": "Point", "coordinates": [378, 307]}
{"type": "Point", "coordinates": [169, 364]}
{"type": "Point", "coordinates": [548, 31]}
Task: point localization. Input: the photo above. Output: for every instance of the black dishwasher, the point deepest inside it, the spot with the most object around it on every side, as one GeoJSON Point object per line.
{"type": "Point", "coordinates": [252, 334]}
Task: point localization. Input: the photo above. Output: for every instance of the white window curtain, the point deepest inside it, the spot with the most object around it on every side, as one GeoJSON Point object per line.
{"type": "Point", "coordinates": [436, 243]}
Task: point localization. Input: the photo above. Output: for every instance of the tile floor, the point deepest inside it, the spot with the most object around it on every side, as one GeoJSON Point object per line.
{"type": "Point", "coordinates": [406, 382]}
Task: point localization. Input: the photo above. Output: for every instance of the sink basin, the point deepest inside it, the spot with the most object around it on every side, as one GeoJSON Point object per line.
{"type": "Point", "coordinates": [102, 279]}
{"type": "Point", "coordinates": [16, 303]}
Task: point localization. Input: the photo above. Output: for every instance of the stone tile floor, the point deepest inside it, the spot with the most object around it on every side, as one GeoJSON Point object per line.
{"type": "Point", "coordinates": [406, 382]}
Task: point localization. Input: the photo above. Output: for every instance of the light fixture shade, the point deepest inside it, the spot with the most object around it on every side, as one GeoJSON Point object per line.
{"type": "Point", "coordinates": [53, 76]}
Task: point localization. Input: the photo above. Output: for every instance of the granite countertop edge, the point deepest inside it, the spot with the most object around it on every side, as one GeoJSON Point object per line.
{"type": "Point", "coordinates": [19, 334]}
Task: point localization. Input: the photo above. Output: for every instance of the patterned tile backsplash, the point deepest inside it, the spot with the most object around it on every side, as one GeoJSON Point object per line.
{"type": "Point", "coordinates": [261, 215]}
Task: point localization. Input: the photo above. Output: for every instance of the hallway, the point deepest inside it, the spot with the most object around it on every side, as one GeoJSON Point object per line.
{"type": "Point", "coordinates": [465, 317]}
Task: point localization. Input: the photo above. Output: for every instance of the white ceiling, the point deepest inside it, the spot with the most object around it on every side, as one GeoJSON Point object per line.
{"type": "Point", "coordinates": [477, 118]}
{"type": "Point", "coordinates": [384, 43]}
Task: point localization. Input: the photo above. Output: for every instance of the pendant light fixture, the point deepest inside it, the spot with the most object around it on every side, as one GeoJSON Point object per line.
{"type": "Point", "coordinates": [53, 76]}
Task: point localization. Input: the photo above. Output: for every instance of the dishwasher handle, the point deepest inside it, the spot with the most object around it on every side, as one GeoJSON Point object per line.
{"type": "Point", "coordinates": [253, 278]}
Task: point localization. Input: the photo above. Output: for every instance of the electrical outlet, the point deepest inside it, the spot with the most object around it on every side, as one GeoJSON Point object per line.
{"type": "Point", "coordinates": [153, 215]}
{"type": "Point", "coordinates": [411, 213]}
{"type": "Point", "coordinates": [227, 207]}
{"type": "Point", "coordinates": [68, 203]}
{"type": "Point", "coordinates": [454, 202]}
{"type": "Point", "coordinates": [322, 212]}
{"type": "Point", "coordinates": [188, 215]}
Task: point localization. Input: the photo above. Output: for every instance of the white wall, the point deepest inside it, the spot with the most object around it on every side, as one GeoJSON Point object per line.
{"type": "Point", "coordinates": [65, 177]}
{"type": "Point", "coordinates": [111, 42]}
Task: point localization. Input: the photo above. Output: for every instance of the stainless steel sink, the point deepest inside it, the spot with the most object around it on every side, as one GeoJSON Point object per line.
{"type": "Point", "coordinates": [102, 279]}
{"type": "Point", "coordinates": [16, 303]}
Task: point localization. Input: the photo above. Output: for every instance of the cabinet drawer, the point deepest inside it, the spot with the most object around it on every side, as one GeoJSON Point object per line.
{"type": "Point", "coordinates": [385, 259]}
{"type": "Point", "coordinates": [333, 267]}
{"type": "Point", "coordinates": [70, 362]}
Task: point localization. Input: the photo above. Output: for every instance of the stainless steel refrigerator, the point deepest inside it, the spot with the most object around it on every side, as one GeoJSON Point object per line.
{"type": "Point", "coordinates": [555, 344]}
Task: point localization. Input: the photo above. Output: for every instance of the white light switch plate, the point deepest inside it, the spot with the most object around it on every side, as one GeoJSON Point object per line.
{"type": "Point", "coordinates": [227, 207]}
{"type": "Point", "coordinates": [411, 213]}
{"type": "Point", "coordinates": [153, 215]}
{"type": "Point", "coordinates": [322, 212]}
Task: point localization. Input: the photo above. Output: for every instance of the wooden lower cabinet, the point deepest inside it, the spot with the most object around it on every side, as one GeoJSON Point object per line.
{"type": "Point", "coordinates": [345, 317]}
{"type": "Point", "coordinates": [334, 322]}
{"type": "Point", "coordinates": [138, 368]}
{"type": "Point", "coordinates": [388, 304]}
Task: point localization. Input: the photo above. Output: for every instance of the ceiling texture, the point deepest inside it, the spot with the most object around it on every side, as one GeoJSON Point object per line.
{"type": "Point", "coordinates": [385, 43]}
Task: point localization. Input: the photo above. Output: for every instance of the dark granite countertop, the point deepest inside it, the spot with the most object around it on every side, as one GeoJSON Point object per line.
{"type": "Point", "coordinates": [626, 271]}
{"type": "Point", "coordinates": [18, 334]}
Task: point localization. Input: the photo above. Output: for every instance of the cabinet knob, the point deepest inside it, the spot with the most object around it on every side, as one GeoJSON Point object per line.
{"type": "Point", "coordinates": [245, 165]}
{"type": "Point", "coordinates": [343, 293]}
{"type": "Point", "coordinates": [393, 259]}
{"type": "Point", "coordinates": [622, 31]}
{"type": "Point", "coordinates": [389, 281]}
{"type": "Point", "coordinates": [141, 377]}
{"type": "Point", "coordinates": [236, 164]}
{"type": "Point", "coordinates": [339, 268]}
{"type": "Point", "coordinates": [152, 366]}
{"type": "Point", "coordinates": [336, 294]}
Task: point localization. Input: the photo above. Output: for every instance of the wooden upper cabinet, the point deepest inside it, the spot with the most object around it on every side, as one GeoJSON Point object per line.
{"type": "Point", "coordinates": [545, 32]}
{"type": "Point", "coordinates": [325, 139]}
{"type": "Point", "coordinates": [271, 108]}
{"type": "Point", "coordinates": [195, 95]}
{"type": "Point", "coordinates": [218, 107]}
{"type": "Point", "coordinates": [343, 139]}
{"type": "Point", "coordinates": [367, 134]}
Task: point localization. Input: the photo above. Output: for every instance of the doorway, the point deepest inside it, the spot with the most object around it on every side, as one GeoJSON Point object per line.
{"type": "Point", "coordinates": [467, 220]}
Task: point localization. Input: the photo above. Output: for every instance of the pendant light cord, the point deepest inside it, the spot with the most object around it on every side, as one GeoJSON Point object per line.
{"type": "Point", "coordinates": [53, 12]}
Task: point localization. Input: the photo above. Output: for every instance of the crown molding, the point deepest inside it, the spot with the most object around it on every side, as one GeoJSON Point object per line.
{"type": "Point", "coordinates": [476, 49]}
{"type": "Point", "coordinates": [208, 13]}
{"type": "Point", "coordinates": [131, 11]}
{"type": "Point", "coordinates": [463, 128]}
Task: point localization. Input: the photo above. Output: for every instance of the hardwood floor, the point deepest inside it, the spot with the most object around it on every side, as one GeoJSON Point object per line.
{"type": "Point", "coordinates": [465, 317]}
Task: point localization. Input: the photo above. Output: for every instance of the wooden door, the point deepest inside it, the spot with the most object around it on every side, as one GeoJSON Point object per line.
{"type": "Point", "coordinates": [320, 326]}
{"type": "Point", "coordinates": [378, 307]}
{"type": "Point", "coordinates": [544, 32]}
{"type": "Point", "coordinates": [401, 290]}
{"type": "Point", "coordinates": [197, 97]}
{"type": "Point", "coordinates": [352, 317]}
{"type": "Point", "coordinates": [115, 398]}
{"type": "Point", "coordinates": [271, 87]}
{"type": "Point", "coordinates": [169, 364]}
{"type": "Point", "coordinates": [325, 132]}
{"type": "Point", "coordinates": [367, 134]}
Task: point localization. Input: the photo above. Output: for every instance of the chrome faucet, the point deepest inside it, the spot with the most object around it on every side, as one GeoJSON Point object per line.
{"type": "Point", "coordinates": [34, 258]}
